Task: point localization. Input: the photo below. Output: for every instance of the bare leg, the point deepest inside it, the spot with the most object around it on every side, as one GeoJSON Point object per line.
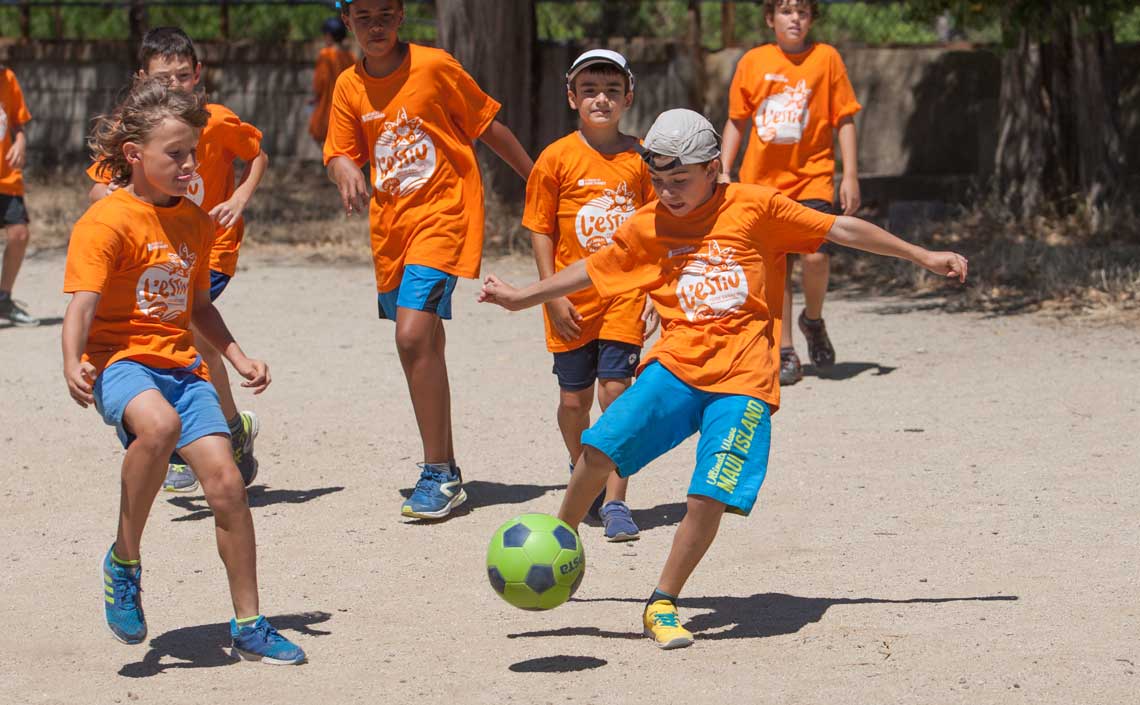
{"type": "Point", "coordinates": [219, 376]}
{"type": "Point", "coordinates": [816, 273]}
{"type": "Point", "coordinates": [213, 461]}
{"type": "Point", "coordinates": [420, 343]}
{"type": "Point", "coordinates": [18, 236]}
{"type": "Point", "coordinates": [786, 339]}
{"type": "Point", "coordinates": [574, 417]}
{"type": "Point", "coordinates": [608, 390]}
{"type": "Point", "coordinates": [590, 474]}
{"type": "Point", "coordinates": [692, 540]}
{"type": "Point", "coordinates": [156, 427]}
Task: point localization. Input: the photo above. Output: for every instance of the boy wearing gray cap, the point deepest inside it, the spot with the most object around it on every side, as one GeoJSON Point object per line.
{"type": "Point", "coordinates": [582, 188]}
{"type": "Point", "coordinates": [707, 254]}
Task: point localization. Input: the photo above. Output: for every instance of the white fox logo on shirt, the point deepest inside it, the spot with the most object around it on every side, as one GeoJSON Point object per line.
{"type": "Point", "coordinates": [712, 284]}
{"type": "Point", "coordinates": [782, 117]}
{"type": "Point", "coordinates": [405, 156]}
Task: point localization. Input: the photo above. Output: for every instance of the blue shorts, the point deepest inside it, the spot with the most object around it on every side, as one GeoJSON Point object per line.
{"type": "Point", "coordinates": [659, 412]}
{"type": "Point", "coordinates": [12, 210]}
{"type": "Point", "coordinates": [218, 284]}
{"type": "Point", "coordinates": [422, 289]}
{"type": "Point", "coordinates": [598, 359]}
{"type": "Point", "coordinates": [191, 396]}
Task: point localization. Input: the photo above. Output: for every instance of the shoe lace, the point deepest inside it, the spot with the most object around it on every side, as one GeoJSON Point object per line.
{"type": "Point", "coordinates": [666, 619]}
{"type": "Point", "coordinates": [127, 588]}
{"type": "Point", "coordinates": [429, 480]}
{"type": "Point", "coordinates": [266, 631]}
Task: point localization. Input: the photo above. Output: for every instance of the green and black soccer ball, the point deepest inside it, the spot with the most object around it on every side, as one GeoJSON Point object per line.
{"type": "Point", "coordinates": [535, 562]}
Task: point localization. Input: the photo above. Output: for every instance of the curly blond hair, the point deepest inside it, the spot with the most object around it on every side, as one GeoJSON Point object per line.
{"type": "Point", "coordinates": [146, 105]}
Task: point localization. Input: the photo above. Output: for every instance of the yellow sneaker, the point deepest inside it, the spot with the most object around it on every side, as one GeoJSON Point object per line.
{"type": "Point", "coordinates": [663, 625]}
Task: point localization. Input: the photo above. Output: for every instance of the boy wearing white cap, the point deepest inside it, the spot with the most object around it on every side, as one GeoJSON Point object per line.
{"type": "Point", "coordinates": [582, 188]}
{"type": "Point", "coordinates": [706, 254]}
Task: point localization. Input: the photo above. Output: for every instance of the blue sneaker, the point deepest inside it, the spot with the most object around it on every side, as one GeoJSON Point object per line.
{"type": "Point", "coordinates": [261, 642]}
{"type": "Point", "coordinates": [618, 522]}
{"type": "Point", "coordinates": [436, 494]}
{"type": "Point", "coordinates": [122, 600]}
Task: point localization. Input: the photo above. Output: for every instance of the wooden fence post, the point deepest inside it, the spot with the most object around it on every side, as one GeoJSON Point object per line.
{"type": "Point", "coordinates": [25, 20]}
{"type": "Point", "coordinates": [224, 6]}
{"type": "Point", "coordinates": [136, 19]}
{"type": "Point", "coordinates": [696, 55]}
{"type": "Point", "coordinates": [728, 24]}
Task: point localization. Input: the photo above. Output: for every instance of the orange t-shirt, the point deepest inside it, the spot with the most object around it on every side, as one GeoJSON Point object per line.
{"type": "Point", "coordinates": [224, 138]}
{"type": "Point", "coordinates": [416, 127]}
{"type": "Point", "coordinates": [579, 197]}
{"type": "Point", "coordinates": [794, 102]}
{"type": "Point", "coordinates": [13, 113]}
{"type": "Point", "coordinates": [148, 263]}
{"type": "Point", "coordinates": [330, 63]}
{"type": "Point", "coordinates": [708, 274]}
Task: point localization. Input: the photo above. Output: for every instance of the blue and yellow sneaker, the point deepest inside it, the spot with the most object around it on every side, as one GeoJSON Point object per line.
{"type": "Point", "coordinates": [122, 599]}
{"type": "Point", "coordinates": [438, 491]}
{"type": "Point", "coordinates": [663, 626]}
{"type": "Point", "coordinates": [180, 479]}
{"type": "Point", "coordinates": [259, 641]}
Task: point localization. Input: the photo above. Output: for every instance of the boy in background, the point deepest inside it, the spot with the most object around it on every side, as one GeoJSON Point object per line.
{"type": "Point", "coordinates": [13, 116]}
{"type": "Point", "coordinates": [334, 58]}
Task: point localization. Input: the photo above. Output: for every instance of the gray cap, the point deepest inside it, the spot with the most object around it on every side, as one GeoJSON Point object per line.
{"type": "Point", "coordinates": [686, 135]}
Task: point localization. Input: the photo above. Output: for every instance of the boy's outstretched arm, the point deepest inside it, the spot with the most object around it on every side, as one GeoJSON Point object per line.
{"type": "Point", "coordinates": [79, 375]}
{"type": "Point", "coordinates": [504, 143]}
{"type": "Point", "coordinates": [869, 237]}
{"type": "Point", "coordinates": [209, 323]}
{"type": "Point", "coordinates": [734, 132]}
{"type": "Point", "coordinates": [573, 278]}
{"type": "Point", "coordinates": [229, 211]}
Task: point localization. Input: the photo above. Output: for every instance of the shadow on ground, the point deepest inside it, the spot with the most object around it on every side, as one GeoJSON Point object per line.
{"type": "Point", "coordinates": [207, 645]}
{"type": "Point", "coordinates": [44, 322]}
{"type": "Point", "coordinates": [757, 616]}
{"type": "Point", "coordinates": [848, 370]}
{"type": "Point", "coordinates": [557, 664]}
{"type": "Point", "coordinates": [259, 496]}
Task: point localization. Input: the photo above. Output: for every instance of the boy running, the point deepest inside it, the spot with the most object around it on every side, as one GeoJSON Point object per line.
{"type": "Point", "coordinates": [789, 97]}
{"type": "Point", "coordinates": [705, 253]}
{"type": "Point", "coordinates": [334, 58]}
{"type": "Point", "coordinates": [412, 113]}
{"type": "Point", "coordinates": [13, 151]}
{"type": "Point", "coordinates": [137, 272]}
{"type": "Point", "coordinates": [167, 53]}
{"type": "Point", "coordinates": [582, 188]}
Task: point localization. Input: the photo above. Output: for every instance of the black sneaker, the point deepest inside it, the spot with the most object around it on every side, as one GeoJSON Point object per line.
{"type": "Point", "coordinates": [819, 345]}
{"type": "Point", "coordinates": [790, 369]}
{"type": "Point", "coordinates": [15, 314]}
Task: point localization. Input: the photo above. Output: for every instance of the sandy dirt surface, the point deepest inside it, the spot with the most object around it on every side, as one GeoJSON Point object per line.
{"type": "Point", "coordinates": [954, 520]}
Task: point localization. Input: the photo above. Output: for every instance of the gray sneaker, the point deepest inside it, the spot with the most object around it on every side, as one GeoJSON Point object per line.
{"type": "Point", "coordinates": [14, 313]}
{"type": "Point", "coordinates": [243, 447]}
{"type": "Point", "coordinates": [179, 478]}
{"type": "Point", "coordinates": [791, 371]}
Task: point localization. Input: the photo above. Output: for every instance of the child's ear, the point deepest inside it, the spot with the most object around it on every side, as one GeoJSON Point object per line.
{"type": "Point", "coordinates": [133, 152]}
{"type": "Point", "coordinates": [197, 72]}
{"type": "Point", "coordinates": [571, 98]}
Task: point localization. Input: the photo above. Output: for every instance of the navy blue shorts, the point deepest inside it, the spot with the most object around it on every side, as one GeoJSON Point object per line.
{"type": "Point", "coordinates": [13, 210]}
{"type": "Point", "coordinates": [598, 359]}
{"type": "Point", "coordinates": [818, 204]}
{"type": "Point", "coordinates": [218, 284]}
{"type": "Point", "coordinates": [422, 289]}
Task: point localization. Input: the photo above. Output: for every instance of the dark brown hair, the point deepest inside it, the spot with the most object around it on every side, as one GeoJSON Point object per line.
{"type": "Point", "coordinates": [770, 7]}
{"type": "Point", "coordinates": [149, 102]}
{"type": "Point", "coordinates": [167, 42]}
{"type": "Point", "coordinates": [601, 69]}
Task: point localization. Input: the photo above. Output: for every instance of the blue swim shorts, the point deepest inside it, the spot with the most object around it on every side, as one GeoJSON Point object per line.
{"type": "Point", "coordinates": [659, 412]}
{"type": "Point", "coordinates": [218, 284]}
{"type": "Point", "coordinates": [191, 396]}
{"type": "Point", "coordinates": [598, 359]}
{"type": "Point", "coordinates": [422, 289]}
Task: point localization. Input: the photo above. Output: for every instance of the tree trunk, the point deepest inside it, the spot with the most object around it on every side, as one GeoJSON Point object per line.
{"type": "Point", "coordinates": [1024, 150]}
{"type": "Point", "coordinates": [495, 42]}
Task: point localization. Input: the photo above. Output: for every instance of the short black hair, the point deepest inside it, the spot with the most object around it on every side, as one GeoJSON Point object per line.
{"type": "Point", "coordinates": [335, 29]}
{"type": "Point", "coordinates": [601, 69]}
{"type": "Point", "coordinates": [168, 43]}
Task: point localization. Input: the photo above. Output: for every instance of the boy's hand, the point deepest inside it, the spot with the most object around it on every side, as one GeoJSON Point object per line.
{"type": "Point", "coordinates": [849, 197]}
{"type": "Point", "coordinates": [16, 155]}
{"type": "Point", "coordinates": [497, 291]}
{"type": "Point", "coordinates": [227, 212]}
{"type": "Point", "coordinates": [350, 182]}
{"type": "Point", "coordinates": [564, 318]}
{"type": "Point", "coordinates": [947, 264]}
{"type": "Point", "coordinates": [80, 376]}
{"type": "Point", "coordinates": [256, 373]}
{"type": "Point", "coordinates": [651, 318]}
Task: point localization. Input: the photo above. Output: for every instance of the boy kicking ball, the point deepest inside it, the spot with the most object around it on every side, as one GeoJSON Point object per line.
{"type": "Point", "coordinates": [712, 258]}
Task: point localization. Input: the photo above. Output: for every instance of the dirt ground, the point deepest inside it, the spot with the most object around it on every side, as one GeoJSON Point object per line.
{"type": "Point", "coordinates": [952, 520]}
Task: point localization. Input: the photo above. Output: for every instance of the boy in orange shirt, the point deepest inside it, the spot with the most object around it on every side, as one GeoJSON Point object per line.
{"type": "Point", "coordinates": [706, 254]}
{"type": "Point", "coordinates": [13, 116]}
{"type": "Point", "coordinates": [334, 58]}
{"type": "Point", "coordinates": [582, 188]}
{"type": "Point", "coordinates": [137, 272]}
{"type": "Point", "coordinates": [412, 113]}
{"type": "Point", "coordinates": [789, 97]}
{"type": "Point", "coordinates": [167, 53]}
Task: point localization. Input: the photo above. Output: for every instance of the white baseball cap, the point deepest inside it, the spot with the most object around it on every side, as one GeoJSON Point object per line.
{"type": "Point", "coordinates": [595, 57]}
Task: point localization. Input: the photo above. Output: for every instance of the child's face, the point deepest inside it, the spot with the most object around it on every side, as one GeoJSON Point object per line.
{"type": "Point", "coordinates": [374, 23]}
{"type": "Point", "coordinates": [179, 72]}
{"type": "Point", "coordinates": [791, 22]}
{"type": "Point", "coordinates": [685, 187]}
{"type": "Point", "coordinates": [166, 159]}
{"type": "Point", "coordinates": [600, 98]}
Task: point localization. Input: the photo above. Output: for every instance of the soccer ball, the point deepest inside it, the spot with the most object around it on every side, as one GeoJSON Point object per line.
{"type": "Point", "coordinates": [535, 562]}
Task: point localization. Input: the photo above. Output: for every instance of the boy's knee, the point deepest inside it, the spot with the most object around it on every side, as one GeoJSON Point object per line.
{"type": "Point", "coordinates": [577, 403]}
{"type": "Point", "coordinates": [815, 262]}
{"type": "Point", "coordinates": [161, 429]}
{"type": "Point", "coordinates": [226, 491]}
{"type": "Point", "coordinates": [413, 341]}
{"type": "Point", "coordinates": [18, 235]}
